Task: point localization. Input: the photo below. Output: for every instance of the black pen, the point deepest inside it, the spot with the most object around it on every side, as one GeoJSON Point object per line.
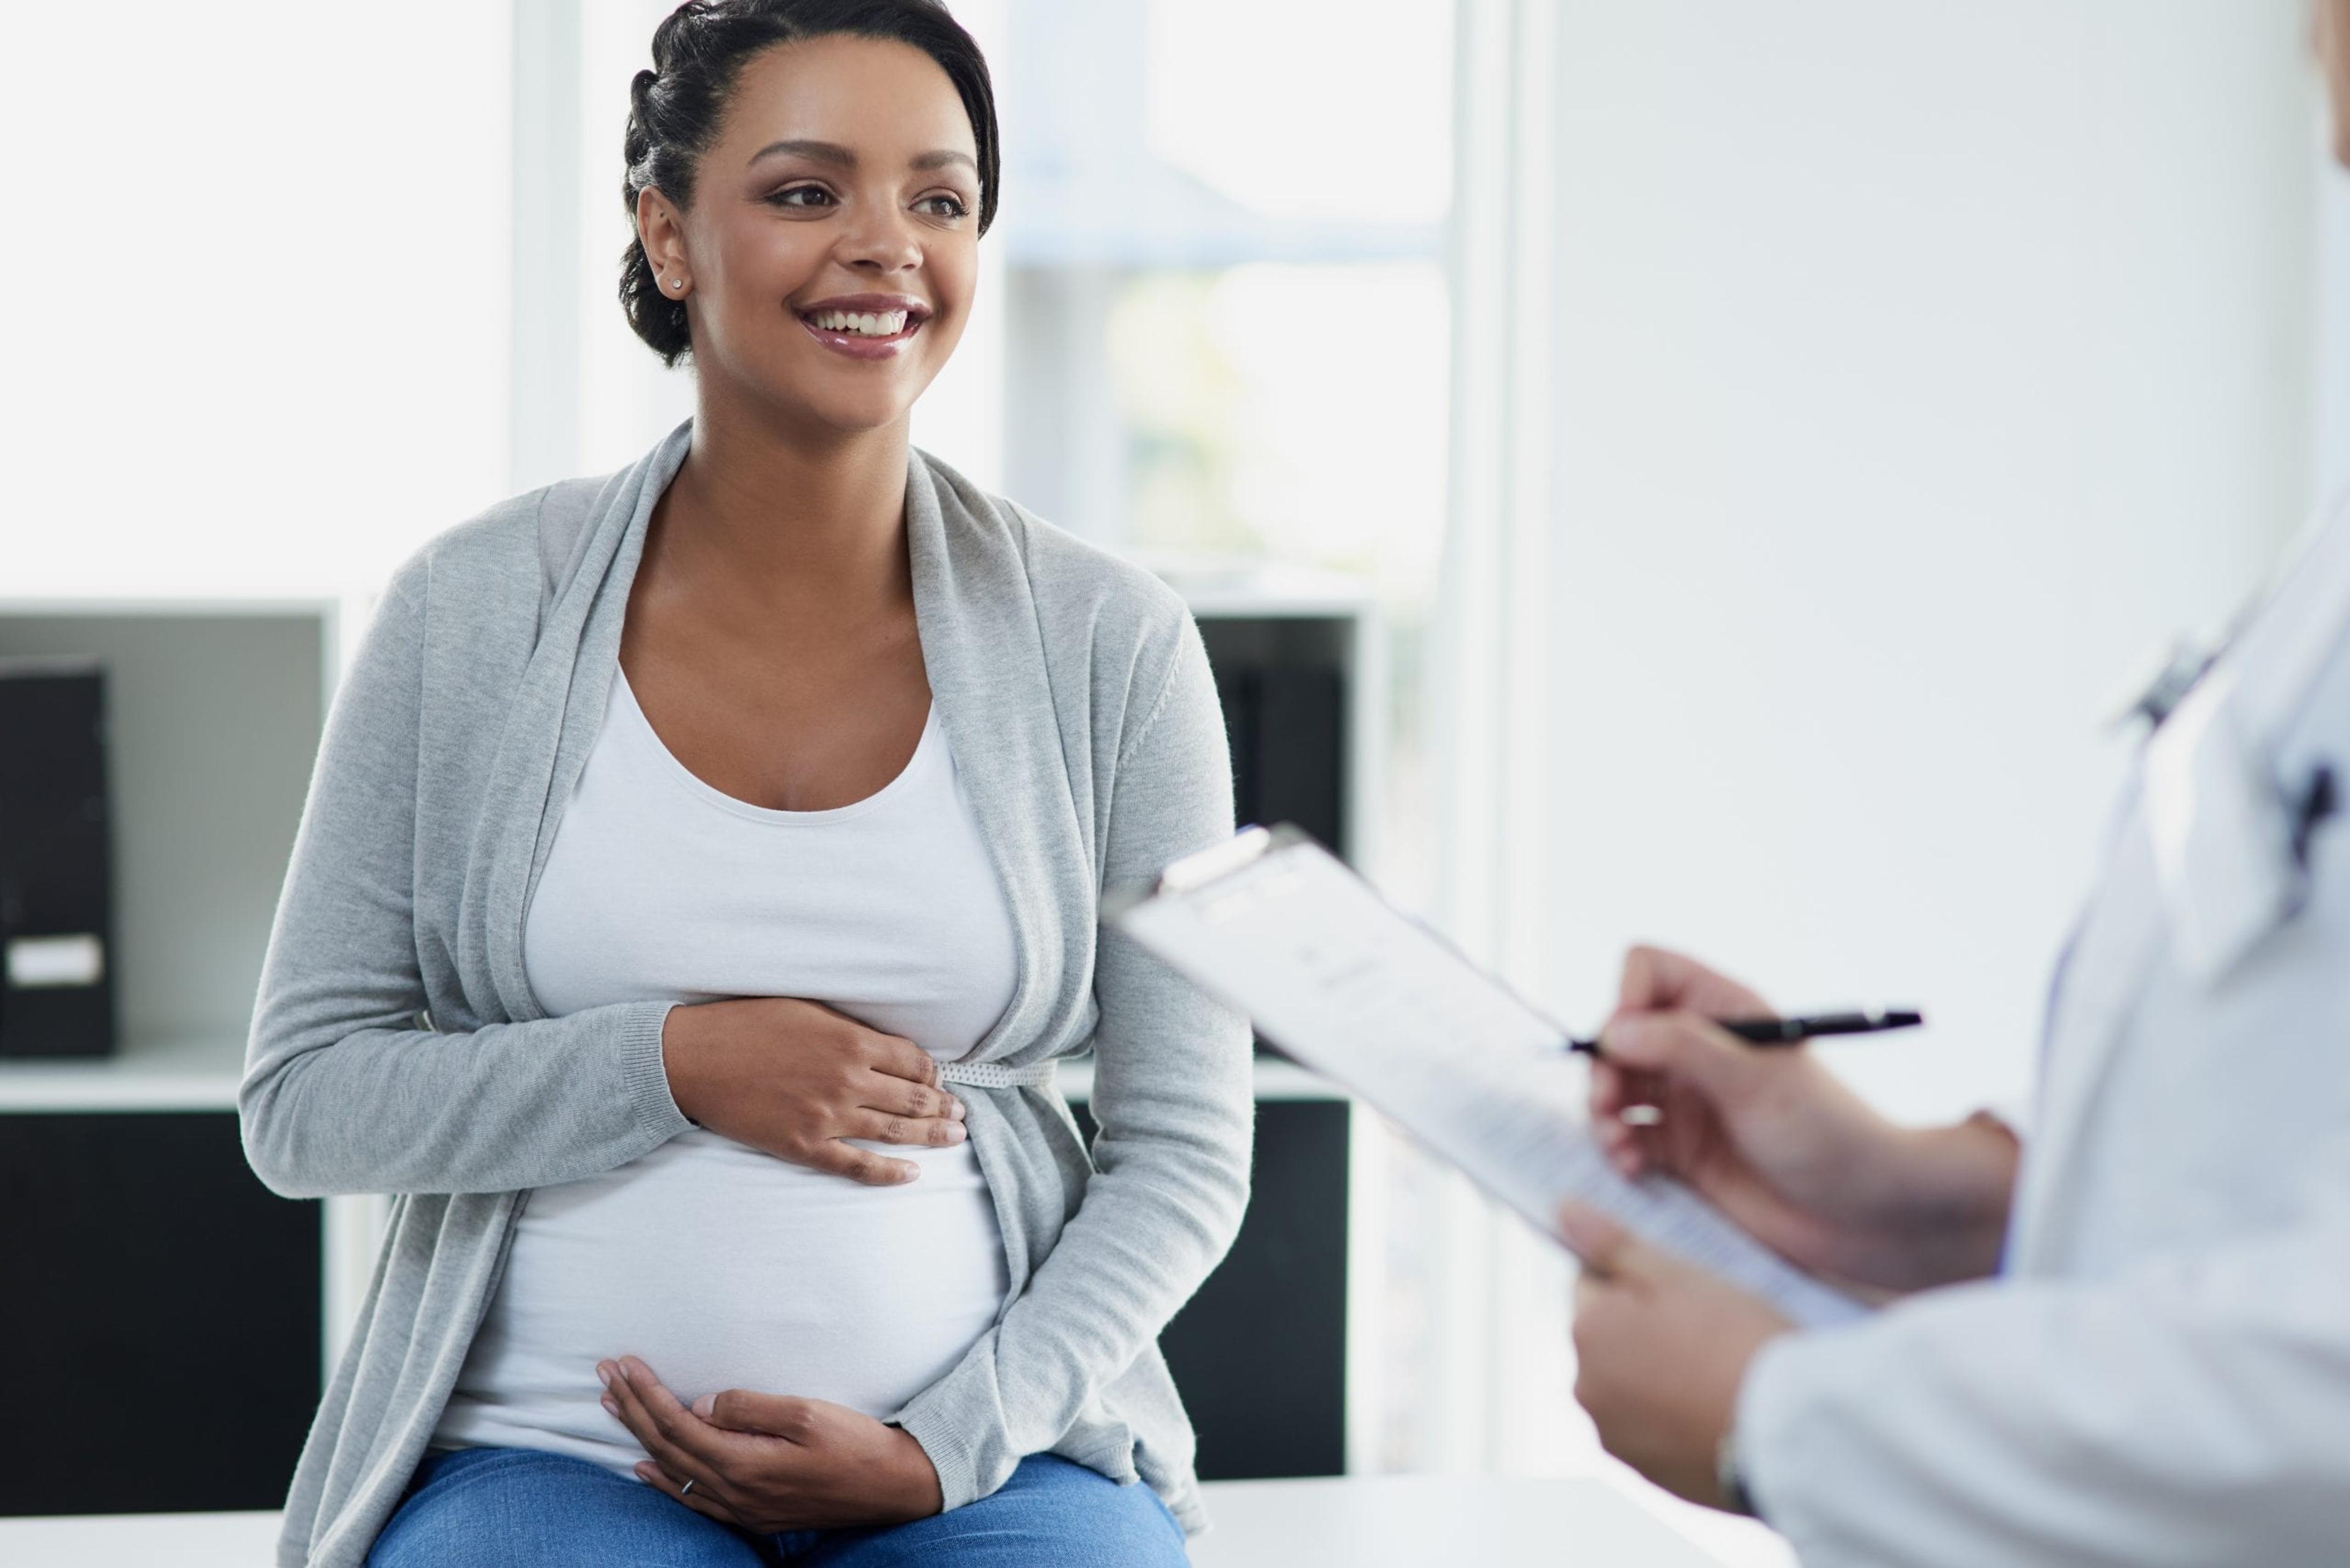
{"type": "Point", "coordinates": [1795, 1031]}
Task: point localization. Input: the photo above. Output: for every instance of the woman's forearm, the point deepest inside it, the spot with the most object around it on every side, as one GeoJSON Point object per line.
{"type": "Point", "coordinates": [506, 1106]}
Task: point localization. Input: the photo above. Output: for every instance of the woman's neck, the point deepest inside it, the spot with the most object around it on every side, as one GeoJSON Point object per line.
{"type": "Point", "coordinates": [821, 518]}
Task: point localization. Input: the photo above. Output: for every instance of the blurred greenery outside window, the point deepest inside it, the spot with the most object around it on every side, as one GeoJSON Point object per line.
{"type": "Point", "coordinates": [1226, 314]}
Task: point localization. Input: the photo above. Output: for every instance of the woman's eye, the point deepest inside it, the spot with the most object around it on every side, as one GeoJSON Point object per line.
{"type": "Point", "coordinates": [801, 196]}
{"type": "Point", "coordinates": [944, 206]}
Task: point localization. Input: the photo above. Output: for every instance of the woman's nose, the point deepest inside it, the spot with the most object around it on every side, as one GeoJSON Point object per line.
{"type": "Point", "coordinates": [881, 242]}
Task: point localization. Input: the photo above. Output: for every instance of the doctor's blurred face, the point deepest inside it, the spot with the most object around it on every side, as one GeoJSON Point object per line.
{"type": "Point", "coordinates": [2330, 34]}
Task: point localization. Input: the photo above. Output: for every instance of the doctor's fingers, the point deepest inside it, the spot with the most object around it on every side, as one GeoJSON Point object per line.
{"type": "Point", "coordinates": [1610, 1087]}
{"type": "Point", "coordinates": [1683, 1048]}
{"type": "Point", "coordinates": [1657, 979]}
{"type": "Point", "coordinates": [1614, 1257]}
{"type": "Point", "coordinates": [1616, 1091]}
{"type": "Point", "coordinates": [1607, 1250]}
{"type": "Point", "coordinates": [1629, 1150]}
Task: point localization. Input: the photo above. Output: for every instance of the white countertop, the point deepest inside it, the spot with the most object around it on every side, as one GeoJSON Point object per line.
{"type": "Point", "coordinates": [201, 1075]}
{"type": "Point", "coordinates": [1406, 1522]}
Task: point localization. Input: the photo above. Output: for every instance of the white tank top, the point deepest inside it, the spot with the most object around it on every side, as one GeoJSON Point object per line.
{"type": "Point", "coordinates": [721, 1266]}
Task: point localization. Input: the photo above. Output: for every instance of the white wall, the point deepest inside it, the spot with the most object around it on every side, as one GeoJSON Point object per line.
{"type": "Point", "coordinates": [2330, 454]}
{"type": "Point", "coordinates": [1919, 371]}
{"type": "Point", "coordinates": [257, 287]}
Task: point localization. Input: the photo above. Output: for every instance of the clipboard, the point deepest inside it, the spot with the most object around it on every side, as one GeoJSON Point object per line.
{"type": "Point", "coordinates": [1274, 925]}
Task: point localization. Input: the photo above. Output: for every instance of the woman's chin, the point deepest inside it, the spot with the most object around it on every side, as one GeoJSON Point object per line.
{"type": "Point", "coordinates": [851, 411]}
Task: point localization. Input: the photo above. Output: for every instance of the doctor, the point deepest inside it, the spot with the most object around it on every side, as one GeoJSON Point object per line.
{"type": "Point", "coordinates": [2129, 1342]}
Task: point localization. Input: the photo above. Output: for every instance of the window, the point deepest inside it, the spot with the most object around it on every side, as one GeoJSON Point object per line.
{"type": "Point", "coordinates": [1223, 235]}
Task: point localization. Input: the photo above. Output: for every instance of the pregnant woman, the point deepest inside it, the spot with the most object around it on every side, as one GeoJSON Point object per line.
{"type": "Point", "coordinates": [697, 884]}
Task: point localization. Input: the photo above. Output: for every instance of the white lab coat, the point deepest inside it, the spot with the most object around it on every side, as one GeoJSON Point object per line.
{"type": "Point", "coordinates": [2162, 1373]}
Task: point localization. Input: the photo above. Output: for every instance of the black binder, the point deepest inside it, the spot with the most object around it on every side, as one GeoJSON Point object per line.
{"type": "Point", "coordinates": [57, 936]}
{"type": "Point", "coordinates": [1286, 724]}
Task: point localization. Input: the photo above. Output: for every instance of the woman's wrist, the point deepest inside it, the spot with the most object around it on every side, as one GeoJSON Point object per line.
{"type": "Point", "coordinates": [920, 1492]}
{"type": "Point", "coordinates": [679, 1032]}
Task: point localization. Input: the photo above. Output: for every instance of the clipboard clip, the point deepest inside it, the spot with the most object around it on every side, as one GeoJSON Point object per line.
{"type": "Point", "coordinates": [1204, 866]}
{"type": "Point", "coordinates": [1199, 868]}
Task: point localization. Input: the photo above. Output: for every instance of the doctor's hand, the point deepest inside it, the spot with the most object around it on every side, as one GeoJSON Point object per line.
{"type": "Point", "coordinates": [797, 1079]}
{"type": "Point", "coordinates": [1775, 1141]}
{"type": "Point", "coordinates": [1661, 1349]}
{"type": "Point", "coordinates": [768, 1463]}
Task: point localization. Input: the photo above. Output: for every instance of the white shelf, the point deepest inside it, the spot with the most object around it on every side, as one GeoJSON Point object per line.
{"type": "Point", "coordinates": [197, 1073]}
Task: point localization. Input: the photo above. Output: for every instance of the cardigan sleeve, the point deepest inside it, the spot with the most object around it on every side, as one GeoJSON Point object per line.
{"type": "Point", "coordinates": [1173, 1101]}
{"type": "Point", "coordinates": [342, 1093]}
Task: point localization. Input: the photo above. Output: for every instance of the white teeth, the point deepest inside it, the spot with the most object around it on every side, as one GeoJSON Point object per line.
{"type": "Point", "coordinates": [871, 323]}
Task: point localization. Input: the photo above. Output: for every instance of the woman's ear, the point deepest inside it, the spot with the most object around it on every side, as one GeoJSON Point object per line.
{"type": "Point", "coordinates": [661, 231]}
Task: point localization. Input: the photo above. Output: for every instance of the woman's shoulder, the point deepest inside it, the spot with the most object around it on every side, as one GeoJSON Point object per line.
{"type": "Point", "coordinates": [502, 557]}
{"type": "Point", "coordinates": [1080, 589]}
{"type": "Point", "coordinates": [503, 538]}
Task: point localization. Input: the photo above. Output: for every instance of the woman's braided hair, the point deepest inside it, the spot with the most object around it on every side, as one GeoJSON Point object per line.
{"type": "Point", "coordinates": [675, 108]}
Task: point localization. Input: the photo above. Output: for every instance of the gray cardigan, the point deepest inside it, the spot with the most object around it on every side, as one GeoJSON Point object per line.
{"type": "Point", "coordinates": [397, 1046]}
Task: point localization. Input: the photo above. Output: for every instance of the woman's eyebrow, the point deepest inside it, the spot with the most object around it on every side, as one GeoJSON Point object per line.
{"type": "Point", "coordinates": [822, 152]}
{"type": "Point", "coordinates": [835, 153]}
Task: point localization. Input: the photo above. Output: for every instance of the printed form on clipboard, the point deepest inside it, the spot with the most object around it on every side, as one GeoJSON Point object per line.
{"type": "Point", "coordinates": [1273, 924]}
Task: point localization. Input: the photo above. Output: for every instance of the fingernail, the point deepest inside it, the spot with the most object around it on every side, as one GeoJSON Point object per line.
{"type": "Point", "coordinates": [611, 1404]}
{"type": "Point", "coordinates": [956, 1109]}
{"type": "Point", "coordinates": [706, 1407]}
{"type": "Point", "coordinates": [956, 1134]}
{"type": "Point", "coordinates": [604, 1373]}
{"type": "Point", "coordinates": [644, 1473]}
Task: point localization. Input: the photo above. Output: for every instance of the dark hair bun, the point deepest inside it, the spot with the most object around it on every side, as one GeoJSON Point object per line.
{"type": "Point", "coordinates": [674, 108]}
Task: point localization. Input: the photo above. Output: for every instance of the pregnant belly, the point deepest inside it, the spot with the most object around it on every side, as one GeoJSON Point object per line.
{"type": "Point", "coordinates": [722, 1267]}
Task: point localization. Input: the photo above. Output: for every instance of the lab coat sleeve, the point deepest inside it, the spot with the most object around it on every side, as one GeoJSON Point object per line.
{"type": "Point", "coordinates": [2193, 1410]}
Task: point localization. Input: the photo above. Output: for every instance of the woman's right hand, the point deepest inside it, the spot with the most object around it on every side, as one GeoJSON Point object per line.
{"type": "Point", "coordinates": [796, 1079]}
{"type": "Point", "coordinates": [1776, 1142]}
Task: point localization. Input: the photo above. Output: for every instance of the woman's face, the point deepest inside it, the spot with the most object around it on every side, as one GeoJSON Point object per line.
{"type": "Point", "coordinates": [832, 248]}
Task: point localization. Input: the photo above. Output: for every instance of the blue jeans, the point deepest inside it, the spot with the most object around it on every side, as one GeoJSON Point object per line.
{"type": "Point", "coordinates": [520, 1508]}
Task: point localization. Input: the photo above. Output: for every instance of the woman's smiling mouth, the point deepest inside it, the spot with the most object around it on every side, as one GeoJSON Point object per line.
{"type": "Point", "coordinates": [865, 326]}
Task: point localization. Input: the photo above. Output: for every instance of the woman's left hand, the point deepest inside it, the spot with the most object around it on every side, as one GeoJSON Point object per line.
{"type": "Point", "coordinates": [1661, 1348]}
{"type": "Point", "coordinates": [769, 1463]}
